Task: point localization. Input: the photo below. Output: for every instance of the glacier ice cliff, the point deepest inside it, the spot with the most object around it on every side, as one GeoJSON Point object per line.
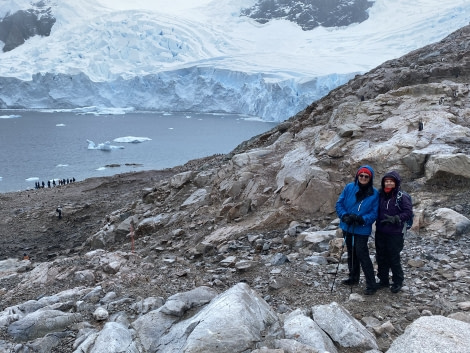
{"type": "Point", "coordinates": [196, 89]}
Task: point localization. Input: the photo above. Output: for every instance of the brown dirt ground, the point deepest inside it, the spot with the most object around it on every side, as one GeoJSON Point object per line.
{"type": "Point", "coordinates": [29, 222]}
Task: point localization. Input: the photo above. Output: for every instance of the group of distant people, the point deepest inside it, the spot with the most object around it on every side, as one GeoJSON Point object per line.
{"type": "Point", "coordinates": [39, 185]}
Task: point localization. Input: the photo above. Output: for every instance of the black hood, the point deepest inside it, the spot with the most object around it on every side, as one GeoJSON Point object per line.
{"type": "Point", "coordinates": [393, 174]}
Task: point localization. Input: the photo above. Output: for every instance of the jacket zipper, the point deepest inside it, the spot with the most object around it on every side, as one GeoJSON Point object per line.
{"type": "Point", "coordinates": [359, 208]}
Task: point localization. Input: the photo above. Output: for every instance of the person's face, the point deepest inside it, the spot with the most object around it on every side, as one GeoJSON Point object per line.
{"type": "Point", "coordinates": [389, 183]}
{"type": "Point", "coordinates": [363, 178]}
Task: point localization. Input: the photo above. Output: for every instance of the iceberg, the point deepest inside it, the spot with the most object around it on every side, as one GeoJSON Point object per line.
{"type": "Point", "coordinates": [101, 110]}
{"type": "Point", "coordinates": [106, 146]}
{"type": "Point", "coordinates": [9, 116]}
{"type": "Point", "coordinates": [131, 139]}
{"type": "Point", "coordinates": [32, 179]}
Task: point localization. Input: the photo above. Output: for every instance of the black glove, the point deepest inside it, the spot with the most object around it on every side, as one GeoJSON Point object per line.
{"type": "Point", "coordinates": [348, 219]}
{"type": "Point", "coordinates": [359, 220]}
{"type": "Point", "coordinates": [391, 219]}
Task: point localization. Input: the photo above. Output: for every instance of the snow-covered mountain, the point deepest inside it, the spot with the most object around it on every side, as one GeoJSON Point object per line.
{"type": "Point", "coordinates": [267, 58]}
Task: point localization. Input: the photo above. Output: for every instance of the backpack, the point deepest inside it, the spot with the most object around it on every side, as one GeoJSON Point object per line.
{"type": "Point", "coordinates": [400, 194]}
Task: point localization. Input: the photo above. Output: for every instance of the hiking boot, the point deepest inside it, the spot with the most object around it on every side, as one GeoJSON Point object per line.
{"type": "Point", "coordinates": [395, 288]}
{"type": "Point", "coordinates": [382, 285]}
{"type": "Point", "coordinates": [350, 281]}
{"type": "Point", "coordinates": [370, 290]}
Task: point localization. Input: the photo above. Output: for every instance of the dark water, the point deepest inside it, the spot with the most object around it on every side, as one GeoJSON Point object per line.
{"type": "Point", "coordinates": [41, 146]}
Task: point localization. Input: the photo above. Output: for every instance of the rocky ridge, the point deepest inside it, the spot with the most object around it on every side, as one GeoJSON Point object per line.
{"type": "Point", "coordinates": [17, 27]}
{"type": "Point", "coordinates": [246, 246]}
{"type": "Point", "coordinates": [310, 14]}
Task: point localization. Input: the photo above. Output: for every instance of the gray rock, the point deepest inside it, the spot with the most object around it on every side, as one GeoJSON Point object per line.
{"type": "Point", "coordinates": [113, 338]}
{"type": "Point", "coordinates": [178, 180]}
{"type": "Point", "coordinates": [338, 323]}
{"type": "Point", "coordinates": [179, 303]}
{"type": "Point", "coordinates": [151, 327]}
{"type": "Point", "coordinates": [293, 346]}
{"type": "Point", "coordinates": [304, 330]}
{"type": "Point", "coordinates": [40, 323]}
{"type": "Point", "coordinates": [232, 322]}
{"type": "Point", "coordinates": [433, 334]}
{"type": "Point", "coordinates": [200, 197]}
{"type": "Point", "coordinates": [279, 259]}
{"type": "Point", "coordinates": [100, 314]}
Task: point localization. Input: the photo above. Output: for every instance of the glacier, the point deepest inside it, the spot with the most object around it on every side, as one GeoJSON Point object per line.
{"type": "Point", "coordinates": [193, 89]}
{"type": "Point", "coordinates": [115, 56]}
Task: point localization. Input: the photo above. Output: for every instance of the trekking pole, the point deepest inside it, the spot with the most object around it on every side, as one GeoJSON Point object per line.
{"type": "Point", "coordinates": [337, 267]}
{"type": "Point", "coordinates": [352, 254]}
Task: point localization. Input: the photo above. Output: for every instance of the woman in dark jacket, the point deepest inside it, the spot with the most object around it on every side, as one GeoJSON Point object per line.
{"type": "Point", "coordinates": [390, 231]}
{"type": "Point", "coordinates": [357, 209]}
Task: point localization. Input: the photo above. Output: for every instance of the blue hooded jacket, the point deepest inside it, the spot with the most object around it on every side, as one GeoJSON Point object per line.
{"type": "Point", "coordinates": [388, 207]}
{"type": "Point", "coordinates": [367, 208]}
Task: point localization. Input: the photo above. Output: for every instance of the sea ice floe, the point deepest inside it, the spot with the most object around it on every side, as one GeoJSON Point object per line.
{"type": "Point", "coordinates": [106, 146]}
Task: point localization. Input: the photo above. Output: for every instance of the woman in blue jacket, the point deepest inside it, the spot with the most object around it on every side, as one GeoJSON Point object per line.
{"type": "Point", "coordinates": [357, 208]}
{"type": "Point", "coordinates": [390, 230]}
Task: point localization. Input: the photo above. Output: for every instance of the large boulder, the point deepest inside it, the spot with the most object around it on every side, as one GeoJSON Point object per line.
{"type": "Point", "coordinates": [433, 334]}
{"type": "Point", "coordinates": [304, 330]}
{"type": "Point", "coordinates": [233, 322]}
{"type": "Point", "coordinates": [40, 323]}
{"type": "Point", "coordinates": [344, 329]}
{"type": "Point", "coordinates": [448, 223]}
{"type": "Point", "coordinates": [457, 164]}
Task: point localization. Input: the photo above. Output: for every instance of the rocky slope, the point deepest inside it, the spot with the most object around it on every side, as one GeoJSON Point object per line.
{"type": "Point", "coordinates": [257, 223]}
{"type": "Point", "coordinates": [17, 27]}
{"type": "Point", "coordinates": [310, 14]}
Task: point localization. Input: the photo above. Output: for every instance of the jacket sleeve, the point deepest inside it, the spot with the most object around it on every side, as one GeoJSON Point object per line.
{"type": "Point", "coordinates": [373, 210]}
{"type": "Point", "coordinates": [340, 204]}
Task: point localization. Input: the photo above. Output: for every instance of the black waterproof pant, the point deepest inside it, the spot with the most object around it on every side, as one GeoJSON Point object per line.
{"type": "Point", "coordinates": [358, 255]}
{"type": "Point", "coordinates": [388, 248]}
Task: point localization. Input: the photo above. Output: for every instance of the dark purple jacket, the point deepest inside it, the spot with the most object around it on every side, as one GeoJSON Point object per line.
{"type": "Point", "coordinates": [388, 206]}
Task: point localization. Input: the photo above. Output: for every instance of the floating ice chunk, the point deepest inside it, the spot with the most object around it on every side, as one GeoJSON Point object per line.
{"type": "Point", "coordinates": [9, 116]}
{"type": "Point", "coordinates": [61, 165]}
{"type": "Point", "coordinates": [131, 139]}
{"type": "Point", "coordinates": [101, 168]}
{"type": "Point", "coordinates": [253, 118]}
{"type": "Point", "coordinates": [106, 146]}
{"type": "Point", "coordinates": [102, 111]}
{"type": "Point", "coordinates": [32, 179]}
{"type": "Point", "coordinates": [60, 125]}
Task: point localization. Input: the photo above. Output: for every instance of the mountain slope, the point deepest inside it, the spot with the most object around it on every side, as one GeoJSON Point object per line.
{"type": "Point", "coordinates": [310, 14]}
